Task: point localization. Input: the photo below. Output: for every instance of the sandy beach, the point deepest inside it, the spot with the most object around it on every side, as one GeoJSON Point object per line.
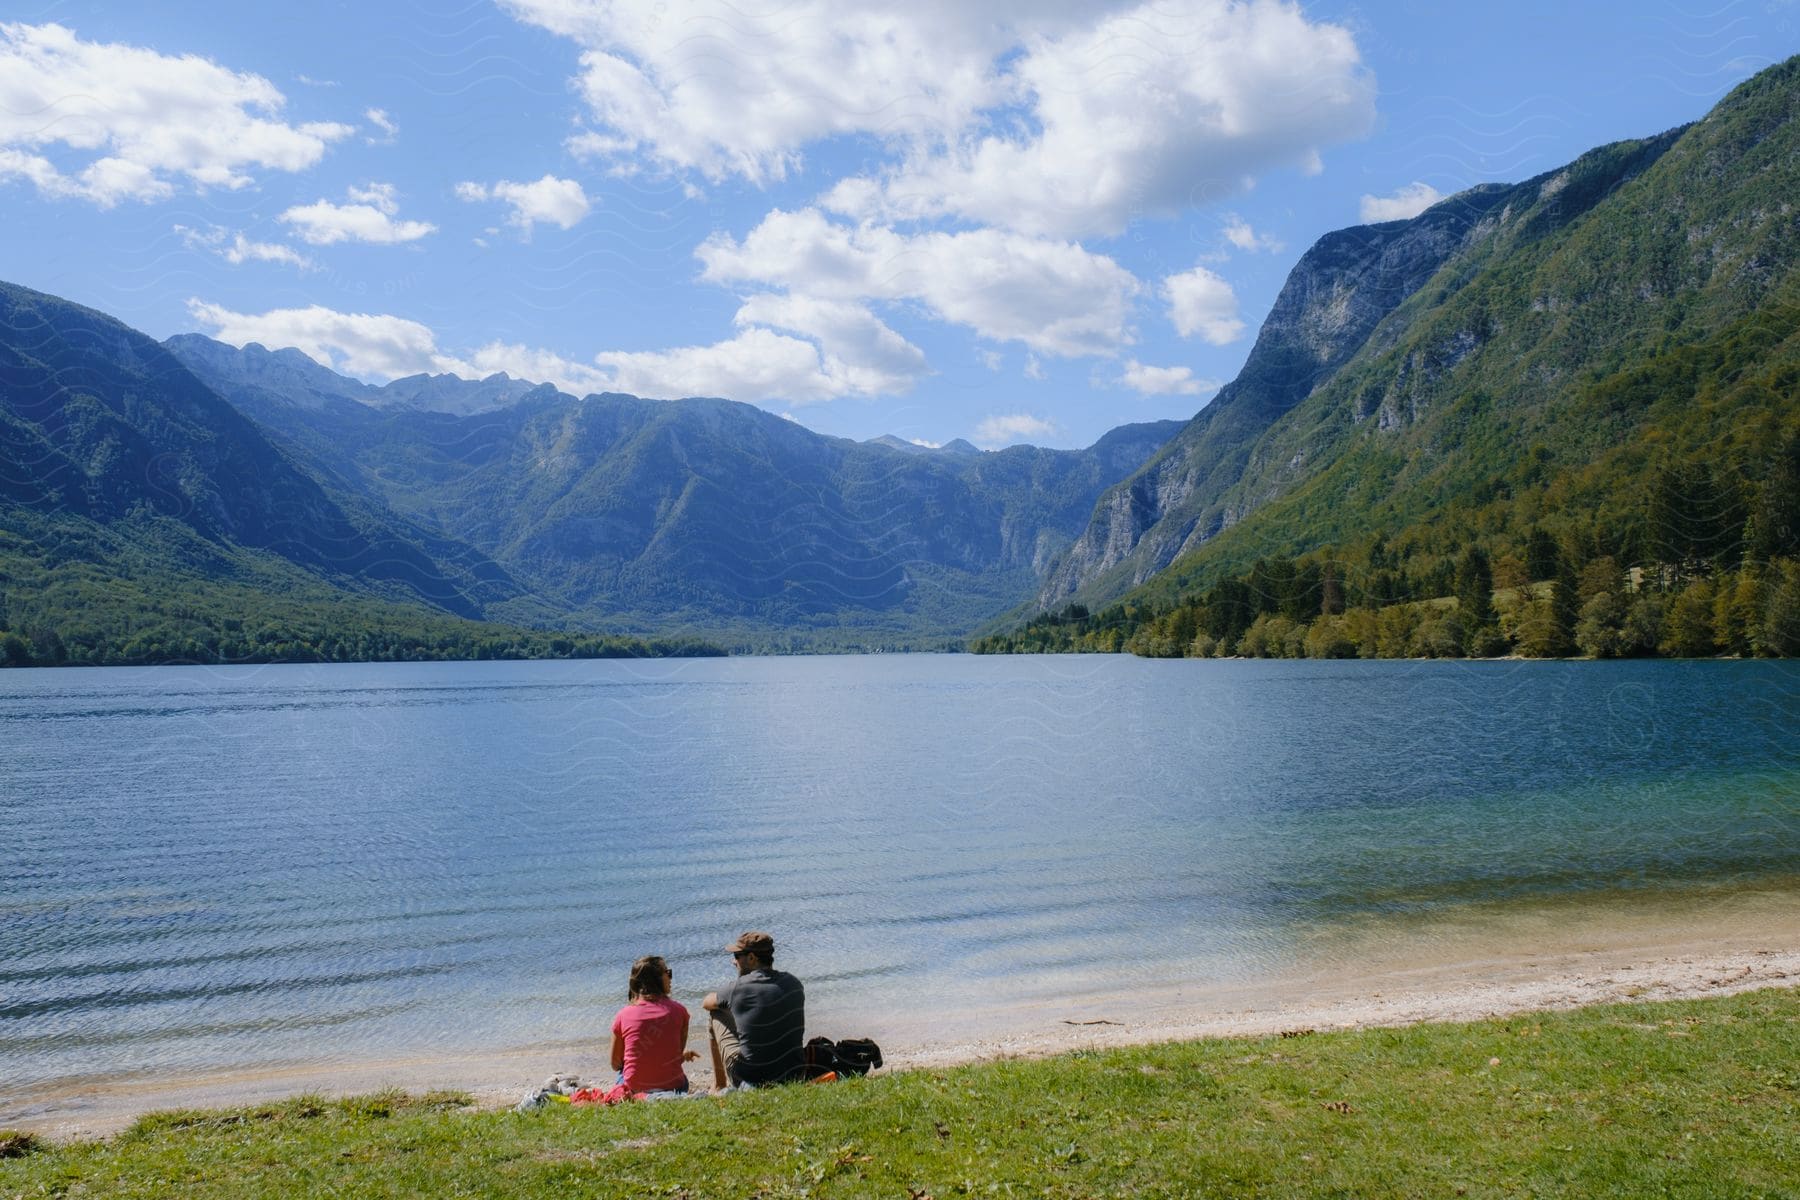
{"type": "Point", "coordinates": [1487, 964]}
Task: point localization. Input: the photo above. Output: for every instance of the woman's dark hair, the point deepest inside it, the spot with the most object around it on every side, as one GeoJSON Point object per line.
{"type": "Point", "coordinates": [647, 977]}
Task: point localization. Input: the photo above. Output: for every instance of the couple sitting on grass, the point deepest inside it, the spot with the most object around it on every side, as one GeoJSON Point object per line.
{"type": "Point", "coordinates": [756, 1026]}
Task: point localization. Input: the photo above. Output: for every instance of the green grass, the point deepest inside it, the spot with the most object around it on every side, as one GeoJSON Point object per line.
{"type": "Point", "coordinates": [1697, 1098]}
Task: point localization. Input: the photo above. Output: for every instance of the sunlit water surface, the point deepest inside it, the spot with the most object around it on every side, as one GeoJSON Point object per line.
{"type": "Point", "coordinates": [226, 868]}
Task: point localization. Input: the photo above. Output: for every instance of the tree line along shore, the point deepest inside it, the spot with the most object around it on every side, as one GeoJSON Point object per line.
{"type": "Point", "coordinates": [1717, 573]}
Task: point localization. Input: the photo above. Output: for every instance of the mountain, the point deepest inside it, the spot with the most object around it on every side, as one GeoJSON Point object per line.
{"type": "Point", "coordinates": [289, 374]}
{"type": "Point", "coordinates": [144, 520]}
{"type": "Point", "coordinates": [452, 394]}
{"type": "Point", "coordinates": [704, 514]}
{"type": "Point", "coordinates": [100, 423]}
{"type": "Point", "coordinates": [954, 446]}
{"type": "Point", "coordinates": [293, 377]}
{"type": "Point", "coordinates": [1599, 373]}
{"type": "Point", "coordinates": [1417, 362]}
{"type": "Point", "coordinates": [1340, 301]}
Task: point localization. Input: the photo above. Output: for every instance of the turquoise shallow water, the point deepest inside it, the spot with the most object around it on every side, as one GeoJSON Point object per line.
{"type": "Point", "coordinates": [206, 868]}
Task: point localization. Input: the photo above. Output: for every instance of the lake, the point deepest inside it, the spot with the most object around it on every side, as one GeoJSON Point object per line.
{"type": "Point", "coordinates": [210, 868]}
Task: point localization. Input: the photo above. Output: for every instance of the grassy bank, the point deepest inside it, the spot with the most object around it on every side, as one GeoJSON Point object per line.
{"type": "Point", "coordinates": [1698, 1098]}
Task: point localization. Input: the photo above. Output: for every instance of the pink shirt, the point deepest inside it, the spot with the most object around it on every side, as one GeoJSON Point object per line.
{"type": "Point", "coordinates": [655, 1032]}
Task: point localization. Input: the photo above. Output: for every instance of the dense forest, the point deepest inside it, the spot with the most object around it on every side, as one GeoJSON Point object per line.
{"type": "Point", "coordinates": [72, 593]}
{"type": "Point", "coordinates": [1718, 574]}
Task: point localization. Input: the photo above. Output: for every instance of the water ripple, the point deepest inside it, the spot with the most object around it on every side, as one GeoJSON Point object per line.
{"type": "Point", "coordinates": [204, 867]}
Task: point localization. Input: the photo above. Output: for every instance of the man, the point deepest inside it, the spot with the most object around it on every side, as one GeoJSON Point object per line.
{"type": "Point", "coordinates": [758, 1023]}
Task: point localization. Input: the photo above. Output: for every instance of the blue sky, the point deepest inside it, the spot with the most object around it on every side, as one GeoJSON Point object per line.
{"type": "Point", "coordinates": [1005, 222]}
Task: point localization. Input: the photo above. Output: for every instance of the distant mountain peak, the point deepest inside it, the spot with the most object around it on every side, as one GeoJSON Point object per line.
{"type": "Point", "coordinates": [894, 442]}
{"type": "Point", "coordinates": [295, 375]}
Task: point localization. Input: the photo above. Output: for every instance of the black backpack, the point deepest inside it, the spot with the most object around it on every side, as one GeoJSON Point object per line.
{"type": "Point", "coordinates": [857, 1056]}
{"type": "Point", "coordinates": [852, 1056]}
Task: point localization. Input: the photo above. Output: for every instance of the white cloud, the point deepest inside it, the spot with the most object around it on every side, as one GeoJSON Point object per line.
{"type": "Point", "coordinates": [1239, 233]}
{"type": "Point", "coordinates": [1164, 381]}
{"type": "Point", "coordinates": [237, 249]}
{"type": "Point", "coordinates": [550, 201]}
{"type": "Point", "coordinates": [1143, 112]}
{"type": "Point", "coordinates": [136, 119]}
{"type": "Point", "coordinates": [1201, 304]}
{"type": "Point", "coordinates": [858, 348]}
{"type": "Point", "coordinates": [367, 345]}
{"type": "Point", "coordinates": [538, 366]}
{"type": "Point", "coordinates": [381, 196]}
{"type": "Point", "coordinates": [723, 89]}
{"type": "Point", "coordinates": [386, 131]}
{"type": "Point", "coordinates": [927, 445]}
{"type": "Point", "coordinates": [588, 144]}
{"type": "Point", "coordinates": [1053, 296]}
{"type": "Point", "coordinates": [1052, 117]}
{"type": "Point", "coordinates": [1403, 205]}
{"type": "Point", "coordinates": [757, 365]}
{"type": "Point", "coordinates": [368, 218]}
{"type": "Point", "coordinates": [1017, 427]}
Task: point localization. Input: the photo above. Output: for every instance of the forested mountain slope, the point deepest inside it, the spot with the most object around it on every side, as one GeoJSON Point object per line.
{"type": "Point", "coordinates": [98, 422]}
{"type": "Point", "coordinates": [143, 519]}
{"type": "Point", "coordinates": [1611, 365]}
{"type": "Point", "coordinates": [1352, 297]}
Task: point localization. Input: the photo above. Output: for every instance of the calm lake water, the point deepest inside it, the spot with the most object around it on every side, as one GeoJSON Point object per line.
{"type": "Point", "coordinates": [205, 868]}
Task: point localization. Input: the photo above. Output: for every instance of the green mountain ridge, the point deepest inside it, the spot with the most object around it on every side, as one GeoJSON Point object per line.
{"type": "Point", "coordinates": [1609, 365]}
{"type": "Point", "coordinates": [145, 520]}
{"type": "Point", "coordinates": [1355, 292]}
{"type": "Point", "coordinates": [100, 422]}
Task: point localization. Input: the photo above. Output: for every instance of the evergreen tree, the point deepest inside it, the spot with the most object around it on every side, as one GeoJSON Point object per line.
{"type": "Point", "coordinates": [1303, 599]}
{"type": "Point", "coordinates": [1736, 609]}
{"type": "Point", "coordinates": [1331, 590]}
{"type": "Point", "coordinates": [1474, 594]}
{"type": "Point", "coordinates": [1541, 556]}
{"type": "Point", "coordinates": [1271, 585]}
{"type": "Point", "coordinates": [1565, 608]}
{"type": "Point", "coordinates": [1780, 632]}
{"type": "Point", "coordinates": [1773, 527]}
{"type": "Point", "coordinates": [1696, 518]}
{"type": "Point", "coordinates": [14, 651]}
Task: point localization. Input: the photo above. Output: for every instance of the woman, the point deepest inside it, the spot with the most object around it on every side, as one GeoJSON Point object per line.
{"type": "Point", "coordinates": [650, 1033]}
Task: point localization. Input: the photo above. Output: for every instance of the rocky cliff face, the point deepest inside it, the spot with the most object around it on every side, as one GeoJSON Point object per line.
{"type": "Point", "coordinates": [451, 394]}
{"type": "Point", "coordinates": [285, 373]}
{"type": "Point", "coordinates": [1331, 307]}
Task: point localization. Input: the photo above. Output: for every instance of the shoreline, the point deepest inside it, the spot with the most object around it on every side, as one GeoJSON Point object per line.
{"type": "Point", "coordinates": [1496, 986]}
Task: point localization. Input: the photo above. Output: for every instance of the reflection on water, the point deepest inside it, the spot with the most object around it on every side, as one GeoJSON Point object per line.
{"type": "Point", "coordinates": [242, 866]}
